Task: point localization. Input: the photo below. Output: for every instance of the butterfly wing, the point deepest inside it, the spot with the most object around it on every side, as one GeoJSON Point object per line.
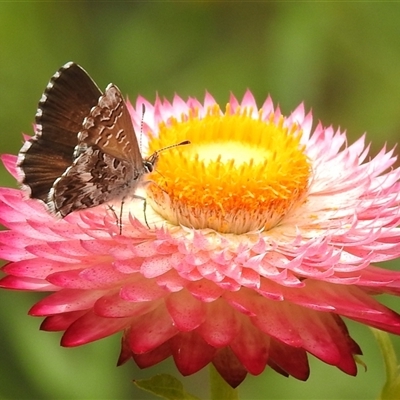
{"type": "Point", "coordinates": [66, 101]}
{"type": "Point", "coordinates": [85, 151]}
{"type": "Point", "coordinates": [94, 178]}
{"type": "Point", "coordinates": [108, 164]}
{"type": "Point", "coordinates": [109, 127]}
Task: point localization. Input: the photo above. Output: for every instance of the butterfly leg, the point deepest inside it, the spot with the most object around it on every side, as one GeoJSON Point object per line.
{"type": "Point", "coordinates": [144, 208]}
{"type": "Point", "coordinates": [118, 219]}
{"type": "Point", "coordinates": [144, 212]}
{"type": "Point", "coordinates": [120, 216]}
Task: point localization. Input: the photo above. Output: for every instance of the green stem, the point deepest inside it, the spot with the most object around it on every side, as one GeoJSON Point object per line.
{"type": "Point", "coordinates": [219, 389]}
{"type": "Point", "coordinates": [391, 389]}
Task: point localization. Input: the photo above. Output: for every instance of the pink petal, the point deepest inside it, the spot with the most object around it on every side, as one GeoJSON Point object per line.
{"type": "Point", "coordinates": [150, 331]}
{"type": "Point", "coordinates": [10, 162]}
{"type": "Point", "coordinates": [186, 311]}
{"type": "Point", "coordinates": [65, 301]}
{"type": "Point", "coordinates": [91, 327]}
{"type": "Point", "coordinates": [221, 324]}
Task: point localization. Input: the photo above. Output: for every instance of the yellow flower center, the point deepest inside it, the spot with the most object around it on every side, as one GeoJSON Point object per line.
{"type": "Point", "coordinates": [239, 174]}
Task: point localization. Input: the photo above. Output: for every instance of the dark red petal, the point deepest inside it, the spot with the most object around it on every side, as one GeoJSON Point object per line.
{"type": "Point", "coordinates": [61, 322]}
{"type": "Point", "coordinates": [251, 347]}
{"type": "Point", "coordinates": [191, 352]}
{"type": "Point", "coordinates": [153, 357]}
{"type": "Point", "coordinates": [229, 367]}
{"type": "Point", "coordinates": [290, 359]}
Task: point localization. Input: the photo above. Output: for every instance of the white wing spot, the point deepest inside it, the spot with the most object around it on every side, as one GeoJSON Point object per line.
{"type": "Point", "coordinates": [43, 98]}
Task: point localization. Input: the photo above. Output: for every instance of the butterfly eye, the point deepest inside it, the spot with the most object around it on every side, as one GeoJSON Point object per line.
{"type": "Point", "coordinates": [148, 166]}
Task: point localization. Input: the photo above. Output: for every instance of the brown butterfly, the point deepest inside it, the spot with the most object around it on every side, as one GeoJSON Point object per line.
{"type": "Point", "coordinates": [85, 151]}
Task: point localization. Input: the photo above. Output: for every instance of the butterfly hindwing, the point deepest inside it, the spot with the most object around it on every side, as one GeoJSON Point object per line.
{"type": "Point", "coordinates": [94, 178]}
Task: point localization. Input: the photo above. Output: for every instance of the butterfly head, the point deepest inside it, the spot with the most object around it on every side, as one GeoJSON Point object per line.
{"type": "Point", "coordinates": [150, 163]}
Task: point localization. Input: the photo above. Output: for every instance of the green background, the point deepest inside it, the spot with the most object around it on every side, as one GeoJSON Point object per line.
{"type": "Point", "coordinates": [342, 59]}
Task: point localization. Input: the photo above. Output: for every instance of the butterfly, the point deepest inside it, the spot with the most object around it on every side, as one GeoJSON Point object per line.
{"type": "Point", "coordinates": [85, 151]}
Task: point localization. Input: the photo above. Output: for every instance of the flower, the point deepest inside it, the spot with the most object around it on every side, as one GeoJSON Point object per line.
{"type": "Point", "coordinates": [262, 234]}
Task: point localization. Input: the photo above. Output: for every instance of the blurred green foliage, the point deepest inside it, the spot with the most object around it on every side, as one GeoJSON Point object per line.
{"type": "Point", "coordinates": [341, 59]}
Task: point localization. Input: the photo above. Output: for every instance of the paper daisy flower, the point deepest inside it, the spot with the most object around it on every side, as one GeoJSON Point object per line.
{"type": "Point", "coordinates": [263, 233]}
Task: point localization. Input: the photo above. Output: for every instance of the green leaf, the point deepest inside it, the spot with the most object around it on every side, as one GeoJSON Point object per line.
{"type": "Point", "coordinates": [391, 389]}
{"type": "Point", "coordinates": [165, 386]}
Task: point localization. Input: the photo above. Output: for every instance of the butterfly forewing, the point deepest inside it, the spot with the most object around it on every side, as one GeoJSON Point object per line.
{"type": "Point", "coordinates": [109, 127]}
{"type": "Point", "coordinates": [65, 103]}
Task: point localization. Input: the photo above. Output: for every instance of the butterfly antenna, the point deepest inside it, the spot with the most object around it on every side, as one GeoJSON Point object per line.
{"type": "Point", "coordinates": [173, 145]}
{"type": "Point", "coordinates": [141, 127]}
